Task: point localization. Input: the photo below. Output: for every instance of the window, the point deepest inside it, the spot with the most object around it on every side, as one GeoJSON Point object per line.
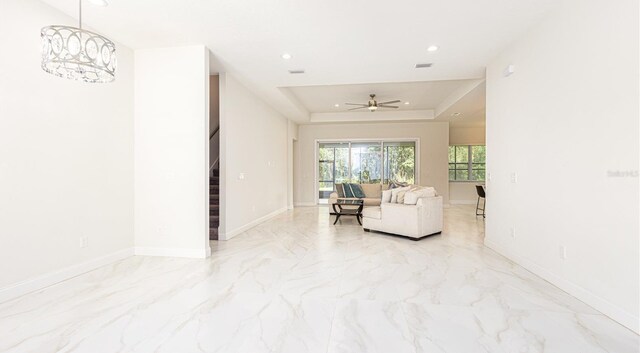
{"type": "Point", "coordinates": [400, 161]}
{"type": "Point", "coordinates": [364, 162]}
{"type": "Point", "coordinates": [467, 163]}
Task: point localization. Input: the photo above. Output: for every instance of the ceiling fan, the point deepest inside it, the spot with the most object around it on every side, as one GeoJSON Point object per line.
{"type": "Point", "coordinates": [373, 105]}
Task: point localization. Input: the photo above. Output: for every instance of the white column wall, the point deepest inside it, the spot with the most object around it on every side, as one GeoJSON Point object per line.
{"type": "Point", "coordinates": [172, 151]}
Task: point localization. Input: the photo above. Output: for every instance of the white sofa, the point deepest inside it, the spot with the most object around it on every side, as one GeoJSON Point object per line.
{"type": "Point", "coordinates": [413, 221]}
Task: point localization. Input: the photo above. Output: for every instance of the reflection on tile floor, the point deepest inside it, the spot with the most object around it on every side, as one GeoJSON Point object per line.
{"type": "Point", "coordinates": [299, 284]}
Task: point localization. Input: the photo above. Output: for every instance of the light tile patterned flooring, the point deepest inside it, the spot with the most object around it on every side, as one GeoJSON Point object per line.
{"type": "Point", "coordinates": [299, 284]}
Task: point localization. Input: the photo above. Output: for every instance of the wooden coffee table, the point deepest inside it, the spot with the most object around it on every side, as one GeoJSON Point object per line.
{"type": "Point", "coordinates": [340, 211]}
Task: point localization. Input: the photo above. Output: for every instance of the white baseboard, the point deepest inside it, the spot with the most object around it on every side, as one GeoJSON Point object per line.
{"type": "Point", "coordinates": [51, 278]}
{"type": "Point", "coordinates": [462, 202]}
{"type": "Point", "coordinates": [233, 233]}
{"type": "Point", "coordinates": [609, 309]}
{"type": "Point", "coordinates": [173, 252]}
{"type": "Point", "coordinates": [305, 204]}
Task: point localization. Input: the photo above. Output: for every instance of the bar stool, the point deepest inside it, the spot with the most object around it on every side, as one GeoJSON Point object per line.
{"type": "Point", "coordinates": [481, 195]}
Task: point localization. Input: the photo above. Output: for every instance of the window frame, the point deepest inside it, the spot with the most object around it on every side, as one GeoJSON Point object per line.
{"type": "Point", "coordinates": [470, 165]}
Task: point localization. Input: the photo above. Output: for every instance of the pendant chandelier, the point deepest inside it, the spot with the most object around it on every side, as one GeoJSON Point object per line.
{"type": "Point", "coordinates": [78, 54]}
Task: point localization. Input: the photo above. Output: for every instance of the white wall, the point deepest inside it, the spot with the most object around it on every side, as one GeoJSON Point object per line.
{"type": "Point", "coordinates": [66, 159]}
{"type": "Point", "coordinates": [253, 142]}
{"type": "Point", "coordinates": [172, 151]}
{"type": "Point", "coordinates": [434, 144]}
{"type": "Point", "coordinates": [564, 121]}
{"type": "Point", "coordinates": [464, 192]}
{"type": "Point", "coordinates": [473, 134]}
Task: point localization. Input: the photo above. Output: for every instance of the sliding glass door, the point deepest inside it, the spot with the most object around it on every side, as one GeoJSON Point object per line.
{"type": "Point", "coordinates": [333, 163]}
{"type": "Point", "coordinates": [400, 162]}
{"type": "Point", "coordinates": [367, 162]}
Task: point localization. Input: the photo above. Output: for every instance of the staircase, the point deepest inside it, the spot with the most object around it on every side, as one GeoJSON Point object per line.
{"type": "Point", "coordinates": [214, 204]}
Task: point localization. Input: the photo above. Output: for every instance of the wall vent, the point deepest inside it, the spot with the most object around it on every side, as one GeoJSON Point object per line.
{"type": "Point", "coordinates": [422, 66]}
{"type": "Point", "coordinates": [294, 72]}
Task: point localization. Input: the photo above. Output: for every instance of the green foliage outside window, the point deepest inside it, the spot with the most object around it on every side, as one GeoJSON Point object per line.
{"type": "Point", "coordinates": [365, 162]}
{"type": "Point", "coordinates": [467, 163]}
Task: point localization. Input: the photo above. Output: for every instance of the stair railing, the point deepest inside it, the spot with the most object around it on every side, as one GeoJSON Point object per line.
{"type": "Point", "coordinates": [214, 149]}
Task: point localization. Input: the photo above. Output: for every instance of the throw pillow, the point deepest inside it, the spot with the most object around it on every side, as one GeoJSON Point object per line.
{"type": "Point", "coordinates": [357, 191]}
{"type": "Point", "coordinates": [340, 190]}
{"type": "Point", "coordinates": [397, 184]}
{"type": "Point", "coordinates": [386, 196]}
{"type": "Point", "coordinates": [411, 197]}
{"type": "Point", "coordinates": [348, 191]}
{"type": "Point", "coordinates": [394, 193]}
{"type": "Point", "coordinates": [400, 198]}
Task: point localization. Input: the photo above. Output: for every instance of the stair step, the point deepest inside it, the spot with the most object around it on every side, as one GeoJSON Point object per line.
{"type": "Point", "coordinates": [213, 233]}
{"type": "Point", "coordinates": [214, 180]}
{"type": "Point", "coordinates": [216, 172]}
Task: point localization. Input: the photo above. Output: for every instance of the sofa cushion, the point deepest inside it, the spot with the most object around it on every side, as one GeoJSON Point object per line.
{"type": "Point", "coordinates": [411, 197]}
{"type": "Point", "coordinates": [386, 196]}
{"type": "Point", "coordinates": [372, 212]}
{"type": "Point", "coordinates": [369, 201]}
{"type": "Point", "coordinates": [372, 190]}
{"type": "Point", "coordinates": [394, 193]}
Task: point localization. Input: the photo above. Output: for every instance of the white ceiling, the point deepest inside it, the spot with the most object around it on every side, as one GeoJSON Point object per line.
{"type": "Point", "coordinates": [335, 41]}
{"type": "Point", "coordinates": [471, 109]}
{"type": "Point", "coordinates": [420, 95]}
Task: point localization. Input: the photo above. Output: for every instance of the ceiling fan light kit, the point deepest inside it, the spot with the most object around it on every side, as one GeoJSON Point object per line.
{"type": "Point", "coordinates": [373, 105]}
{"type": "Point", "coordinates": [78, 54]}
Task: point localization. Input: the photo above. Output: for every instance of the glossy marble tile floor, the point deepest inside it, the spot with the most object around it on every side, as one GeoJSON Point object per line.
{"type": "Point", "coordinates": [299, 284]}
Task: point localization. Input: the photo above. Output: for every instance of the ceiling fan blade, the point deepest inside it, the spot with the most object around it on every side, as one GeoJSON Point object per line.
{"type": "Point", "coordinates": [362, 105]}
{"type": "Point", "coordinates": [359, 108]}
{"type": "Point", "coordinates": [387, 106]}
{"type": "Point", "coordinates": [390, 102]}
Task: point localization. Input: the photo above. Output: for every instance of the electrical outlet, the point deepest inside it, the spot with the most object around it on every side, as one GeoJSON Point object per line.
{"type": "Point", "coordinates": [514, 177]}
{"type": "Point", "coordinates": [563, 252]}
{"type": "Point", "coordinates": [241, 176]}
{"type": "Point", "coordinates": [512, 231]}
{"type": "Point", "coordinates": [84, 242]}
{"type": "Point", "coordinates": [488, 176]}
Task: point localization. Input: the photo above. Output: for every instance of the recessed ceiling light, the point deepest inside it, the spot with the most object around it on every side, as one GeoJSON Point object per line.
{"type": "Point", "coordinates": [102, 3]}
{"type": "Point", "coordinates": [424, 65]}
{"type": "Point", "coordinates": [433, 48]}
{"type": "Point", "coordinates": [336, 105]}
{"type": "Point", "coordinates": [286, 56]}
{"type": "Point", "coordinates": [455, 115]}
{"type": "Point", "coordinates": [406, 103]}
{"type": "Point", "coordinates": [296, 72]}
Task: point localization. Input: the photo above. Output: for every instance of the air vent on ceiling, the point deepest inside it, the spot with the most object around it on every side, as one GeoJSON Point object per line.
{"type": "Point", "coordinates": [422, 66]}
{"type": "Point", "coordinates": [294, 72]}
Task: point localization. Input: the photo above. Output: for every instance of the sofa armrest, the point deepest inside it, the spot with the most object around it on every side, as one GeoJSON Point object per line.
{"type": "Point", "coordinates": [333, 197]}
{"type": "Point", "coordinates": [432, 213]}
